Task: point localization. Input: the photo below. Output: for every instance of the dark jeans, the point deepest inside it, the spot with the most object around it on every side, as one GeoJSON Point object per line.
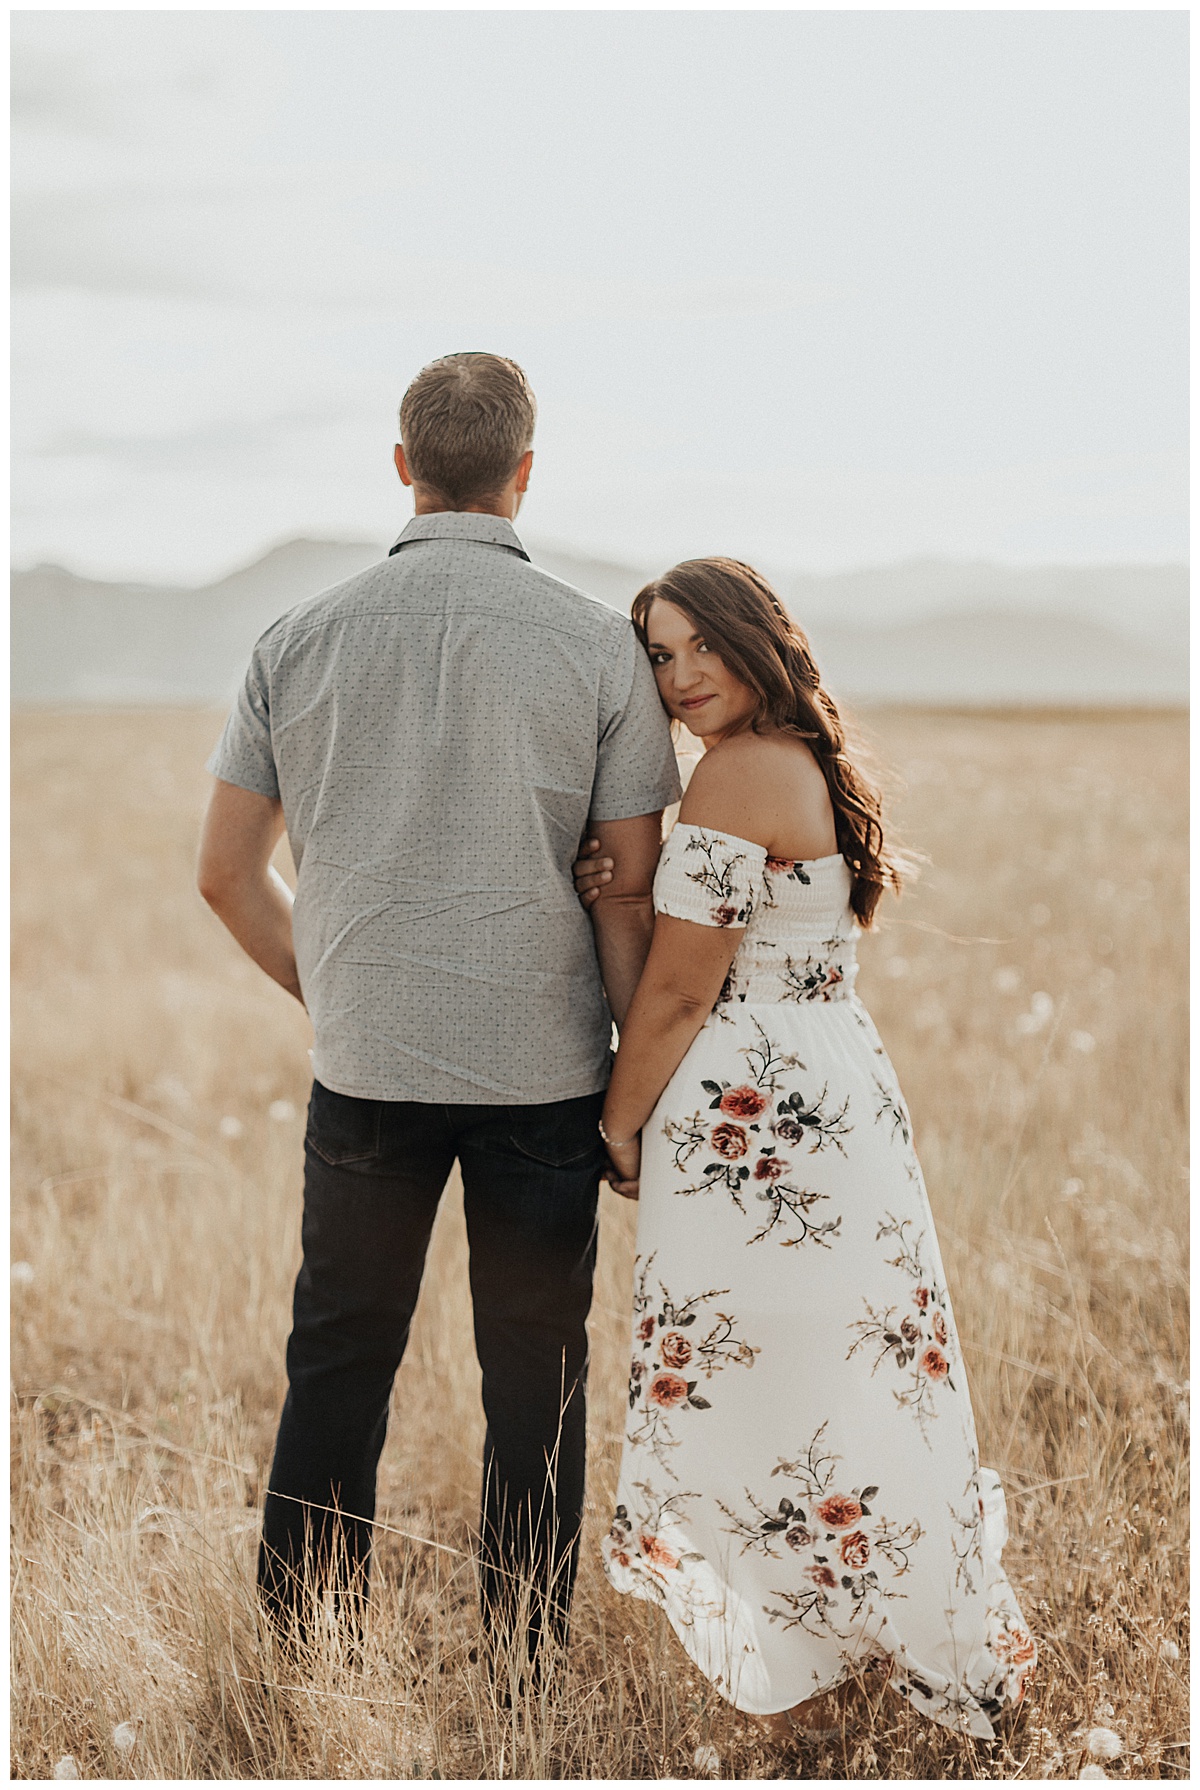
{"type": "Point", "coordinates": [374, 1173]}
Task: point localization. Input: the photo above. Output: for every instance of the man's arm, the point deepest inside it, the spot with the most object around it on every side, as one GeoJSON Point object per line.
{"type": "Point", "coordinates": [623, 910]}
{"type": "Point", "coordinates": [235, 877]}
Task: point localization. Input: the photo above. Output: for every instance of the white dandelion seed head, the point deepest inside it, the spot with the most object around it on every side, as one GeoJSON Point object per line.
{"type": "Point", "coordinates": [66, 1767]}
{"type": "Point", "coordinates": [1168, 1649]}
{"type": "Point", "coordinates": [231, 1127]}
{"type": "Point", "coordinates": [1104, 1743]}
{"type": "Point", "coordinates": [1093, 1771]}
{"type": "Point", "coordinates": [1006, 981]}
{"type": "Point", "coordinates": [124, 1736]}
{"type": "Point", "coordinates": [707, 1761]}
{"type": "Point", "coordinates": [1083, 1041]}
{"type": "Point", "coordinates": [21, 1274]}
{"type": "Point", "coordinates": [281, 1111]}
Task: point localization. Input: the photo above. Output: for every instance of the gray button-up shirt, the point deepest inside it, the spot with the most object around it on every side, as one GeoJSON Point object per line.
{"type": "Point", "coordinates": [440, 729]}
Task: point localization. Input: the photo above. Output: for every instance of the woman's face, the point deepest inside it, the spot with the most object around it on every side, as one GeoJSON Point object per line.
{"type": "Point", "coordinates": [696, 688]}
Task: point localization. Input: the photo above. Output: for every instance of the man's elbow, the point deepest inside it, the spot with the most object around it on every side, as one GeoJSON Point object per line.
{"type": "Point", "coordinates": [217, 881]}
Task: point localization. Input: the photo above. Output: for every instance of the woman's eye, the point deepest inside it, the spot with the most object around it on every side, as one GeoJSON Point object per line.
{"type": "Point", "coordinates": [659, 658]}
{"type": "Point", "coordinates": [703, 647]}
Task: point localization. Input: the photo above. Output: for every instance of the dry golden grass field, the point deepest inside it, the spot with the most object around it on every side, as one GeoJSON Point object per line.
{"type": "Point", "coordinates": [1031, 988]}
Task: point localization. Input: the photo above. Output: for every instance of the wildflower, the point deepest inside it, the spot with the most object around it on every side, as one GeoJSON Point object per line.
{"type": "Point", "coordinates": [66, 1767]}
{"type": "Point", "coordinates": [1041, 1006]}
{"type": "Point", "coordinates": [21, 1274]}
{"type": "Point", "coordinates": [1103, 1743]}
{"type": "Point", "coordinates": [281, 1111]}
{"type": "Point", "coordinates": [124, 1736]}
{"type": "Point", "coordinates": [230, 1127]}
{"type": "Point", "coordinates": [1168, 1650]}
{"type": "Point", "coordinates": [1093, 1771]}
{"type": "Point", "coordinates": [707, 1761]}
{"type": "Point", "coordinates": [1083, 1042]}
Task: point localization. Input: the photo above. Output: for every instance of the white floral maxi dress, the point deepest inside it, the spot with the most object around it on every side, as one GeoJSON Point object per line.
{"type": "Point", "coordinates": [800, 1487]}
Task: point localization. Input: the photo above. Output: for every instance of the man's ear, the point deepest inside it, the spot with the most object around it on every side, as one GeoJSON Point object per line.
{"type": "Point", "coordinates": [402, 465]}
{"type": "Point", "coordinates": [524, 468]}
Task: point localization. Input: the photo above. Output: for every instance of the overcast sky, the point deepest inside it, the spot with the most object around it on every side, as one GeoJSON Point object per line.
{"type": "Point", "coordinates": [819, 289]}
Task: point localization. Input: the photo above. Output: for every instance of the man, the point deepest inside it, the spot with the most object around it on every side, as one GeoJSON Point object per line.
{"type": "Point", "coordinates": [436, 735]}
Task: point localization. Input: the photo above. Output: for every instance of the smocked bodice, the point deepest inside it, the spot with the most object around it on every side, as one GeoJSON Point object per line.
{"type": "Point", "coordinates": [800, 942]}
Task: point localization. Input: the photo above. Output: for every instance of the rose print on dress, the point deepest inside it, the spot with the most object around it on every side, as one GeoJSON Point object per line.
{"type": "Point", "coordinates": [635, 1545]}
{"type": "Point", "coordinates": [672, 1349]}
{"type": "Point", "coordinates": [840, 1532]}
{"type": "Point", "coordinates": [730, 1141]}
{"type": "Point", "coordinates": [769, 1182]}
{"type": "Point", "coordinates": [807, 1121]}
{"type": "Point", "coordinates": [716, 875]}
{"type": "Point", "coordinates": [918, 1341]}
{"type": "Point", "coordinates": [843, 1542]}
{"type": "Point", "coordinates": [815, 976]}
{"type": "Point", "coordinates": [738, 1136]}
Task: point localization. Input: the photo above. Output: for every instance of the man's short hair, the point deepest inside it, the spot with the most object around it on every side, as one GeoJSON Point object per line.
{"type": "Point", "coordinates": [465, 422]}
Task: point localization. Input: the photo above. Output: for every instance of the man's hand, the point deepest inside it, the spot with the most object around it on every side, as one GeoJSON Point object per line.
{"type": "Point", "coordinates": [234, 875]}
{"type": "Point", "coordinates": [590, 871]}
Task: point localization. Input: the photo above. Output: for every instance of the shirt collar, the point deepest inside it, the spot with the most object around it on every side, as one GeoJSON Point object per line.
{"type": "Point", "coordinates": [461, 525]}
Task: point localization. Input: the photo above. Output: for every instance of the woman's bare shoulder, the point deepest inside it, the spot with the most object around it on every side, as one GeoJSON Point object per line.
{"type": "Point", "coordinates": [767, 788]}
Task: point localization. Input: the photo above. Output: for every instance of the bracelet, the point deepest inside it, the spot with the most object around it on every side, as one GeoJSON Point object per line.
{"type": "Point", "coordinates": [612, 1144]}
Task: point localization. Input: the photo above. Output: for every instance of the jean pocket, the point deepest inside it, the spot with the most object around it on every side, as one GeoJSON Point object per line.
{"type": "Point", "coordinates": [562, 1135]}
{"type": "Point", "coordinates": [341, 1128]}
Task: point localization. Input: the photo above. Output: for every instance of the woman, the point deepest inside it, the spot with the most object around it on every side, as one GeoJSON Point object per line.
{"type": "Point", "coordinates": [800, 1488]}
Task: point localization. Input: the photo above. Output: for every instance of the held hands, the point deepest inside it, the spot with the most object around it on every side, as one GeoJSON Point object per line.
{"type": "Point", "coordinates": [590, 872]}
{"type": "Point", "coordinates": [624, 1167]}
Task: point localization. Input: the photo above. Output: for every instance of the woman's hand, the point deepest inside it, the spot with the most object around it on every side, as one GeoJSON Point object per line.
{"type": "Point", "coordinates": [624, 1167]}
{"type": "Point", "coordinates": [590, 872]}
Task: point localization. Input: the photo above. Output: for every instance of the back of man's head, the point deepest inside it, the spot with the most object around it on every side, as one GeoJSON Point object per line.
{"type": "Point", "coordinates": [465, 422]}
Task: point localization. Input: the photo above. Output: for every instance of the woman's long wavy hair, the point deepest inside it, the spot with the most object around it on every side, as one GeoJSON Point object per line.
{"type": "Point", "coordinates": [744, 622]}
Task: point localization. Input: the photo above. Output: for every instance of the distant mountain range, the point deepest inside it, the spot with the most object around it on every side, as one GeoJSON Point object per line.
{"type": "Point", "coordinates": [925, 632]}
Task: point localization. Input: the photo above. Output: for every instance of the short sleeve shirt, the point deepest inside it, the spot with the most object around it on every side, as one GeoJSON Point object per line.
{"type": "Point", "coordinates": [440, 730]}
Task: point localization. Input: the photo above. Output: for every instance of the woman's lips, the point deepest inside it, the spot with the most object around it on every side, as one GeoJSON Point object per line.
{"type": "Point", "coordinates": [695, 702]}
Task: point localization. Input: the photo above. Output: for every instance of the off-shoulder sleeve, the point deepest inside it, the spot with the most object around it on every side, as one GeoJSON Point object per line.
{"type": "Point", "coordinates": [711, 878]}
